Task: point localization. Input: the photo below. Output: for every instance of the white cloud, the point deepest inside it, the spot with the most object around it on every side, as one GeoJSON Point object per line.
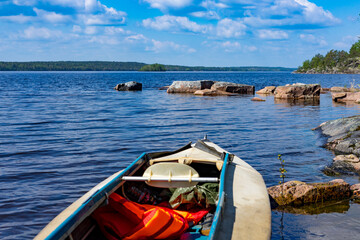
{"type": "Point", "coordinates": [51, 16]}
{"type": "Point", "coordinates": [76, 29]}
{"type": "Point", "coordinates": [272, 34]}
{"type": "Point", "coordinates": [165, 4]}
{"type": "Point", "coordinates": [206, 14]}
{"type": "Point", "coordinates": [309, 38]}
{"type": "Point", "coordinates": [90, 30]}
{"type": "Point", "coordinates": [25, 2]}
{"type": "Point", "coordinates": [229, 28]}
{"type": "Point", "coordinates": [18, 18]}
{"type": "Point", "coordinates": [315, 14]}
{"type": "Point", "coordinates": [346, 42]}
{"type": "Point", "coordinates": [33, 33]}
{"type": "Point", "coordinates": [158, 46]}
{"type": "Point", "coordinates": [136, 38]}
{"type": "Point", "coordinates": [104, 40]}
{"type": "Point", "coordinates": [209, 4]}
{"type": "Point", "coordinates": [173, 23]}
{"type": "Point", "coordinates": [115, 30]}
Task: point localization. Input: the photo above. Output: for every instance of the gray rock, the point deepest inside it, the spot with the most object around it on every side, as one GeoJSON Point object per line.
{"type": "Point", "coordinates": [340, 168]}
{"type": "Point", "coordinates": [233, 87]}
{"type": "Point", "coordinates": [189, 86]}
{"type": "Point", "coordinates": [129, 86]}
{"type": "Point", "coordinates": [193, 86]}
{"type": "Point", "coordinates": [343, 138]}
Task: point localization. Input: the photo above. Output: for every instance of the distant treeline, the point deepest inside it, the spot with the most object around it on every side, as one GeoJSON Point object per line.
{"type": "Point", "coordinates": [334, 62]}
{"type": "Point", "coordinates": [118, 66]}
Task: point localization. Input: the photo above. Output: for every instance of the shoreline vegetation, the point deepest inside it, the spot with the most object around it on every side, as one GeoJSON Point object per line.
{"type": "Point", "coordinates": [120, 66]}
{"type": "Point", "coordinates": [334, 62]}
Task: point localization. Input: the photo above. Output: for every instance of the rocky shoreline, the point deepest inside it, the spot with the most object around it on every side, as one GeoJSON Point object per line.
{"type": "Point", "coordinates": [343, 138]}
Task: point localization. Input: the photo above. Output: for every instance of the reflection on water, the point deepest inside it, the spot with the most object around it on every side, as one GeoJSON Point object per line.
{"type": "Point", "coordinates": [297, 102]}
{"type": "Point", "coordinates": [317, 208]}
{"type": "Point", "coordinates": [342, 222]}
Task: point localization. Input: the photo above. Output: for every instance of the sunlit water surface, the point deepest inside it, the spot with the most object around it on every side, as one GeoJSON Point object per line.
{"type": "Point", "coordinates": [63, 132]}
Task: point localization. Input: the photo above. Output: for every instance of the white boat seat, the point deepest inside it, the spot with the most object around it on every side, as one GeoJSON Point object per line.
{"type": "Point", "coordinates": [189, 160]}
{"type": "Point", "coordinates": [170, 175]}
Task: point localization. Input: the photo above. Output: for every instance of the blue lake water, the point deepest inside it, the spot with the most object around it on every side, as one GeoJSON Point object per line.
{"type": "Point", "coordinates": [63, 132]}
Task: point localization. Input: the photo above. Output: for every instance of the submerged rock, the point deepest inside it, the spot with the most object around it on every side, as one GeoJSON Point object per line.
{"type": "Point", "coordinates": [298, 91]}
{"type": "Point", "coordinates": [267, 90]}
{"type": "Point", "coordinates": [256, 99]}
{"type": "Point", "coordinates": [164, 88]}
{"type": "Point", "coordinates": [129, 86]}
{"type": "Point", "coordinates": [296, 193]}
{"type": "Point", "coordinates": [211, 92]}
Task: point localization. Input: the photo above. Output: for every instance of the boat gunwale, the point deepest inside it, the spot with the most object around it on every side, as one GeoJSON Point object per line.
{"type": "Point", "coordinates": [80, 212]}
{"type": "Point", "coordinates": [219, 207]}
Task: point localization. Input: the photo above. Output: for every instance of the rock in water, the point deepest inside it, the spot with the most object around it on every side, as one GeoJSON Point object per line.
{"type": "Point", "coordinates": [216, 87]}
{"type": "Point", "coordinates": [256, 99]}
{"type": "Point", "coordinates": [298, 91]}
{"type": "Point", "coordinates": [296, 193]}
{"type": "Point", "coordinates": [129, 86]}
{"type": "Point", "coordinates": [343, 135]}
{"type": "Point", "coordinates": [267, 90]}
{"type": "Point", "coordinates": [355, 189]}
{"type": "Point", "coordinates": [189, 86]}
{"type": "Point", "coordinates": [346, 96]}
{"type": "Point", "coordinates": [233, 87]}
{"type": "Point", "coordinates": [343, 164]}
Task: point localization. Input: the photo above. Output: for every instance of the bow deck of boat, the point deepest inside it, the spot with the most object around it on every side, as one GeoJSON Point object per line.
{"type": "Point", "coordinates": [245, 205]}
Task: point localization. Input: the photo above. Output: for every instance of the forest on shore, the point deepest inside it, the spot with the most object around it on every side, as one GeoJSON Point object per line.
{"type": "Point", "coordinates": [334, 61]}
{"type": "Point", "coordinates": [118, 66]}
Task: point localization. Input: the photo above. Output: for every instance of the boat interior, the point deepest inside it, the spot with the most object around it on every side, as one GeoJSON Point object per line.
{"type": "Point", "coordinates": [186, 181]}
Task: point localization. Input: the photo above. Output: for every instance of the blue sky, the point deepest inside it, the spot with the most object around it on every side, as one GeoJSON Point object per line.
{"type": "Point", "coordinates": [185, 32]}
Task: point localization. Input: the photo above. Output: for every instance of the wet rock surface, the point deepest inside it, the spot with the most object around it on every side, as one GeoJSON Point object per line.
{"type": "Point", "coordinates": [296, 193]}
{"type": "Point", "coordinates": [129, 86]}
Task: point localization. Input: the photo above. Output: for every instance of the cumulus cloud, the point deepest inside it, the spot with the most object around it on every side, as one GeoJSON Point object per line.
{"type": "Point", "coordinates": [87, 12]}
{"type": "Point", "coordinates": [310, 38]}
{"type": "Point", "coordinates": [228, 28]}
{"type": "Point", "coordinates": [166, 4]}
{"type": "Point", "coordinates": [51, 16]}
{"type": "Point", "coordinates": [289, 13]}
{"type": "Point", "coordinates": [173, 23]}
{"type": "Point", "coordinates": [272, 34]}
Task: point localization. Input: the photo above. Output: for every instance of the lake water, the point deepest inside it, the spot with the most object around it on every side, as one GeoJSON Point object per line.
{"type": "Point", "coordinates": [63, 132]}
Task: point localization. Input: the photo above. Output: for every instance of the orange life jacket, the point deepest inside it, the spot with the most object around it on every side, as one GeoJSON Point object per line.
{"type": "Point", "coordinates": [129, 220]}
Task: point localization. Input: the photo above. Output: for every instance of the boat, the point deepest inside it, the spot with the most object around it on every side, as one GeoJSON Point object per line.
{"type": "Point", "coordinates": [241, 209]}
